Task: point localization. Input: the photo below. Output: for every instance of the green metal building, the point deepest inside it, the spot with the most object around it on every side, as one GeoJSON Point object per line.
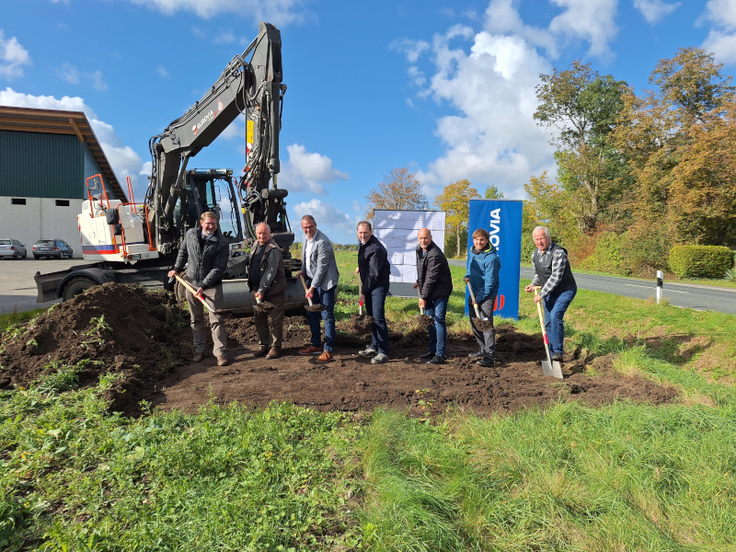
{"type": "Point", "coordinates": [45, 158]}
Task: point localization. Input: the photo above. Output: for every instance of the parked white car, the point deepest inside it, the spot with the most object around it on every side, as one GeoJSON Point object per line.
{"type": "Point", "coordinates": [12, 248]}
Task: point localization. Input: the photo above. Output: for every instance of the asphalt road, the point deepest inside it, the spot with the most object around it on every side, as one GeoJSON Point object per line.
{"type": "Point", "coordinates": [681, 295]}
{"type": "Point", "coordinates": [18, 289]}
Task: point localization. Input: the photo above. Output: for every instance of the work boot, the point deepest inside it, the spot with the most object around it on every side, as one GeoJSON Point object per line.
{"type": "Point", "coordinates": [557, 356]}
{"type": "Point", "coordinates": [275, 352]}
{"type": "Point", "coordinates": [477, 354]}
{"type": "Point", "coordinates": [198, 357]}
{"type": "Point", "coordinates": [325, 357]}
{"type": "Point", "coordinates": [437, 359]}
{"type": "Point", "coordinates": [310, 350]}
{"type": "Point", "coordinates": [426, 356]}
{"type": "Point", "coordinates": [222, 360]}
{"type": "Point", "coordinates": [368, 352]}
{"type": "Point", "coordinates": [380, 358]}
{"type": "Point", "coordinates": [261, 352]}
{"type": "Point", "coordinates": [486, 360]}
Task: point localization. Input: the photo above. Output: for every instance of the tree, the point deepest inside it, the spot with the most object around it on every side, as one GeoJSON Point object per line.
{"type": "Point", "coordinates": [584, 106]}
{"type": "Point", "coordinates": [492, 192]}
{"type": "Point", "coordinates": [455, 201]}
{"type": "Point", "coordinates": [399, 189]}
{"type": "Point", "coordinates": [680, 142]}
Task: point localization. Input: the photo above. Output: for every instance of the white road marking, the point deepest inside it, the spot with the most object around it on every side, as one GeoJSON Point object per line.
{"type": "Point", "coordinates": [664, 290]}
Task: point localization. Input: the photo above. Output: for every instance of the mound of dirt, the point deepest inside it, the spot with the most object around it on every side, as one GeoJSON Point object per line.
{"type": "Point", "coordinates": [110, 328]}
{"type": "Point", "coordinates": [146, 336]}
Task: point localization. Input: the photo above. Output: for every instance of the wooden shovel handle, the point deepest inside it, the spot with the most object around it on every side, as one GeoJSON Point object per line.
{"type": "Point", "coordinates": [360, 293]}
{"type": "Point", "coordinates": [472, 298]}
{"type": "Point", "coordinates": [191, 288]}
{"type": "Point", "coordinates": [309, 299]}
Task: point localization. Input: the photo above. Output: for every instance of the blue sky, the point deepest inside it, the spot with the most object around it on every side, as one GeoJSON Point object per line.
{"type": "Point", "coordinates": [443, 88]}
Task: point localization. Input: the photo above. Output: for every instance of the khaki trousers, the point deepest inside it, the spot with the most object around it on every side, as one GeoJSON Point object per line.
{"type": "Point", "coordinates": [217, 325]}
{"type": "Point", "coordinates": [270, 324]}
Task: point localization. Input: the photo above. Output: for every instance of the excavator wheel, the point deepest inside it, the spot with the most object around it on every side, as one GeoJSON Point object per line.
{"type": "Point", "coordinates": [76, 286]}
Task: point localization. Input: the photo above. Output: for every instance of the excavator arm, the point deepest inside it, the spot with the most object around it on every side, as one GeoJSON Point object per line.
{"type": "Point", "coordinates": [251, 84]}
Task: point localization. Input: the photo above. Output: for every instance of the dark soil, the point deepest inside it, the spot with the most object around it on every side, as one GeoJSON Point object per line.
{"type": "Point", "coordinates": [146, 337]}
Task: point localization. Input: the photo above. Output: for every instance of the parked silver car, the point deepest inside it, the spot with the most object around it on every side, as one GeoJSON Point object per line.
{"type": "Point", "coordinates": [12, 248]}
{"type": "Point", "coordinates": [52, 248]}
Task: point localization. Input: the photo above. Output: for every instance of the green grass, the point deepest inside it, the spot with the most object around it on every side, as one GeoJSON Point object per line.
{"type": "Point", "coordinates": [570, 478]}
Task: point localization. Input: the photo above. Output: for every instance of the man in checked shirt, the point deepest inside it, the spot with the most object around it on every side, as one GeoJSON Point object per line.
{"type": "Point", "coordinates": [552, 272]}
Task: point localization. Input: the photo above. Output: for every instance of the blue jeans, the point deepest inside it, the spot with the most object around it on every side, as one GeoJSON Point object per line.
{"type": "Point", "coordinates": [555, 306]}
{"type": "Point", "coordinates": [324, 297]}
{"type": "Point", "coordinates": [375, 303]}
{"type": "Point", "coordinates": [437, 331]}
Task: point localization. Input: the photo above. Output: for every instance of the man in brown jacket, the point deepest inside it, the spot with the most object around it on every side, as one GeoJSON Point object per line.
{"type": "Point", "coordinates": [267, 281]}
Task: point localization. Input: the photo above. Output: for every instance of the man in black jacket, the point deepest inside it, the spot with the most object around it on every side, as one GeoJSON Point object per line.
{"type": "Point", "coordinates": [434, 283]}
{"type": "Point", "coordinates": [205, 252]}
{"type": "Point", "coordinates": [267, 281]}
{"type": "Point", "coordinates": [373, 271]}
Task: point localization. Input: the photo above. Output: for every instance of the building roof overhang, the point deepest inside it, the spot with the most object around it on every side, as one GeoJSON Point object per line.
{"type": "Point", "coordinates": [52, 121]}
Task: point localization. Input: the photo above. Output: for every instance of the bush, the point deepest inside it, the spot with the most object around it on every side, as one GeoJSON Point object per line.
{"type": "Point", "coordinates": [608, 255]}
{"type": "Point", "coordinates": [700, 261]}
{"type": "Point", "coordinates": [645, 251]}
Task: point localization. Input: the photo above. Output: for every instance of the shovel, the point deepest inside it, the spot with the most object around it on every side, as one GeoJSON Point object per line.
{"type": "Point", "coordinates": [311, 307]}
{"type": "Point", "coordinates": [361, 324]}
{"type": "Point", "coordinates": [201, 297]}
{"type": "Point", "coordinates": [423, 318]}
{"type": "Point", "coordinates": [550, 367]}
{"type": "Point", "coordinates": [483, 324]}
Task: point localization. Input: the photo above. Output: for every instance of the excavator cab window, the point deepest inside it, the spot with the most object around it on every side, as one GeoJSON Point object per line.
{"type": "Point", "coordinates": [215, 191]}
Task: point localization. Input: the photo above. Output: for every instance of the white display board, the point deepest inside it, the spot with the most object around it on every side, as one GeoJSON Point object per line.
{"type": "Point", "coordinates": [397, 231]}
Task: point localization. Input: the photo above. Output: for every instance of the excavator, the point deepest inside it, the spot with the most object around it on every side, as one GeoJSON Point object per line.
{"type": "Point", "coordinates": [129, 242]}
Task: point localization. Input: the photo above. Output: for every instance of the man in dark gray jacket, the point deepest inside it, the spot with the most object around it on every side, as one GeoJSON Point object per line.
{"type": "Point", "coordinates": [205, 252]}
{"type": "Point", "coordinates": [434, 282]}
{"type": "Point", "coordinates": [267, 281]}
{"type": "Point", "coordinates": [319, 269]}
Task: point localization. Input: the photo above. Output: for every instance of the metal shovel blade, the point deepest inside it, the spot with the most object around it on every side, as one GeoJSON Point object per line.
{"type": "Point", "coordinates": [554, 369]}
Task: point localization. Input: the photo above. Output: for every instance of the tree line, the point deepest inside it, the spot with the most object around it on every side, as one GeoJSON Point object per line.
{"type": "Point", "coordinates": [636, 173]}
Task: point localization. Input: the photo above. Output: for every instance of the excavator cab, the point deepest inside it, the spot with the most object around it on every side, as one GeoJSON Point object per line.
{"type": "Point", "coordinates": [209, 190]}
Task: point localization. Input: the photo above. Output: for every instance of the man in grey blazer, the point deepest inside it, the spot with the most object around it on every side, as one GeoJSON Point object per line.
{"type": "Point", "coordinates": [319, 269]}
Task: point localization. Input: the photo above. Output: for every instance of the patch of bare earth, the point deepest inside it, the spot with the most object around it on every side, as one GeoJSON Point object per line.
{"type": "Point", "coordinates": [143, 343]}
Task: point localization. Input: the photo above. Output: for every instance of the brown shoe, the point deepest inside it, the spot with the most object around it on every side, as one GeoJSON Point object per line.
{"type": "Point", "coordinates": [325, 357]}
{"type": "Point", "coordinates": [222, 360]}
{"type": "Point", "coordinates": [310, 350]}
{"type": "Point", "coordinates": [261, 352]}
{"type": "Point", "coordinates": [275, 352]}
{"type": "Point", "coordinates": [198, 357]}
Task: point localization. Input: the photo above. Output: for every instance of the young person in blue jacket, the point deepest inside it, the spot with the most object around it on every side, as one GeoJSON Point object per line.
{"type": "Point", "coordinates": [482, 273]}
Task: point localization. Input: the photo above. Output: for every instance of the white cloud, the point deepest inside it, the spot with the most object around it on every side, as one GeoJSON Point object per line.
{"type": "Point", "coordinates": [69, 73]}
{"type": "Point", "coordinates": [591, 20]}
{"type": "Point", "coordinates": [722, 38]}
{"type": "Point", "coordinates": [307, 172]}
{"type": "Point", "coordinates": [502, 17]}
{"type": "Point", "coordinates": [412, 49]}
{"type": "Point", "coordinates": [162, 72]}
{"type": "Point", "coordinates": [493, 138]}
{"type": "Point", "coordinates": [13, 57]}
{"type": "Point", "coordinates": [122, 158]}
{"type": "Point", "coordinates": [328, 217]}
{"type": "Point", "coordinates": [278, 12]}
{"type": "Point", "coordinates": [655, 10]}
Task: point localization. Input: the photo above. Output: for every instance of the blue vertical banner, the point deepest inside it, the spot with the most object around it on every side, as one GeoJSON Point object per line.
{"type": "Point", "coordinates": [502, 219]}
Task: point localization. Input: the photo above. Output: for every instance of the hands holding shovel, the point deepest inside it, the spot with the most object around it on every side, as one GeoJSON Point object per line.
{"type": "Point", "coordinates": [308, 294]}
{"type": "Point", "coordinates": [483, 324]}
{"type": "Point", "coordinates": [198, 293]}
